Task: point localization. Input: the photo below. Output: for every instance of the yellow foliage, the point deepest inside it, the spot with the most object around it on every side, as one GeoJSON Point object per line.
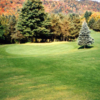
{"type": "Point", "coordinates": [4, 20]}
{"type": "Point", "coordinates": [95, 15]}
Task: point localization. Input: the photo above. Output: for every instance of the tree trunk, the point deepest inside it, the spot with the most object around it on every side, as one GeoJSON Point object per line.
{"type": "Point", "coordinates": [35, 39]}
{"type": "Point", "coordinates": [32, 39]}
{"type": "Point", "coordinates": [63, 38]}
{"type": "Point", "coordinates": [52, 38]}
{"type": "Point", "coordinates": [84, 46]}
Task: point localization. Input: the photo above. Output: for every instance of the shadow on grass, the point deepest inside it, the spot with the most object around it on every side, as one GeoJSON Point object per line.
{"type": "Point", "coordinates": [86, 47]}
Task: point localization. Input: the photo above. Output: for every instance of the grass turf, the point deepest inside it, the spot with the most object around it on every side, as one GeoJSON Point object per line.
{"type": "Point", "coordinates": [53, 71]}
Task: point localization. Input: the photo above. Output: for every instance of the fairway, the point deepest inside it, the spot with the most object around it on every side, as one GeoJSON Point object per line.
{"type": "Point", "coordinates": [50, 71]}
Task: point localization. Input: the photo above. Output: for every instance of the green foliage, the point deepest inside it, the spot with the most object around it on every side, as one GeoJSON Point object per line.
{"type": "Point", "coordinates": [9, 23]}
{"type": "Point", "coordinates": [96, 25]}
{"type": "Point", "coordinates": [1, 32]}
{"type": "Point", "coordinates": [10, 27]}
{"type": "Point", "coordinates": [84, 38]}
{"type": "Point", "coordinates": [65, 26]}
{"type": "Point", "coordinates": [75, 26]}
{"type": "Point", "coordinates": [3, 23]}
{"type": "Point", "coordinates": [54, 25]}
{"type": "Point", "coordinates": [31, 20]}
{"type": "Point", "coordinates": [87, 15]}
{"type": "Point", "coordinates": [91, 22]}
{"type": "Point", "coordinates": [17, 36]}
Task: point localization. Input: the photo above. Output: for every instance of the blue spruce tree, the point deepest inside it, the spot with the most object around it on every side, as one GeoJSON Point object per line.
{"type": "Point", "coordinates": [84, 38]}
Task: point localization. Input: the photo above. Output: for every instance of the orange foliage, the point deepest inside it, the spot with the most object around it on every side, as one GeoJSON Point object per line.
{"type": "Point", "coordinates": [51, 6]}
{"type": "Point", "coordinates": [95, 15]}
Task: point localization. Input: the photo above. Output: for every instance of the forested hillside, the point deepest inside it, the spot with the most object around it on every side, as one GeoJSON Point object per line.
{"type": "Point", "coordinates": [52, 6]}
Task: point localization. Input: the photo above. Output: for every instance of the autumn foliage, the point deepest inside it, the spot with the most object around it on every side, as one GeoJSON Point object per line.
{"type": "Point", "coordinates": [9, 7]}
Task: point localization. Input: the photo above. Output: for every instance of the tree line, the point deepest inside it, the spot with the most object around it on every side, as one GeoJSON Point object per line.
{"type": "Point", "coordinates": [93, 20]}
{"type": "Point", "coordinates": [35, 25]}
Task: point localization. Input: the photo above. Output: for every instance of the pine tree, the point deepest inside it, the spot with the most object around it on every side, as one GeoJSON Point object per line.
{"type": "Point", "coordinates": [84, 38]}
{"type": "Point", "coordinates": [31, 20]}
{"type": "Point", "coordinates": [87, 15]}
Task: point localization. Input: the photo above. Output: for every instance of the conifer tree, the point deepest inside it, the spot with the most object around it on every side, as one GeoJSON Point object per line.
{"type": "Point", "coordinates": [87, 15]}
{"type": "Point", "coordinates": [31, 20]}
{"type": "Point", "coordinates": [84, 38]}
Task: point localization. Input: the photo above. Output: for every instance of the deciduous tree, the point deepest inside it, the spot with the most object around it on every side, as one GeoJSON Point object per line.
{"type": "Point", "coordinates": [1, 32]}
{"type": "Point", "coordinates": [91, 22]}
{"type": "Point", "coordinates": [96, 25]}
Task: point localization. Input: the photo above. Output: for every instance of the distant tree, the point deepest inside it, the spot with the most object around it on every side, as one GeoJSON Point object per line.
{"type": "Point", "coordinates": [1, 32]}
{"type": "Point", "coordinates": [11, 24]}
{"type": "Point", "coordinates": [31, 22]}
{"type": "Point", "coordinates": [11, 27]}
{"type": "Point", "coordinates": [54, 26]}
{"type": "Point", "coordinates": [84, 38]}
{"type": "Point", "coordinates": [87, 15]}
{"type": "Point", "coordinates": [64, 27]}
{"type": "Point", "coordinates": [91, 22]}
{"type": "Point", "coordinates": [17, 36]}
{"type": "Point", "coordinates": [4, 22]}
{"type": "Point", "coordinates": [75, 26]}
{"type": "Point", "coordinates": [96, 25]}
{"type": "Point", "coordinates": [95, 15]}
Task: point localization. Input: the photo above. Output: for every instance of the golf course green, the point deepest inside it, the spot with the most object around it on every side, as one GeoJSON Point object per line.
{"type": "Point", "coordinates": [50, 71]}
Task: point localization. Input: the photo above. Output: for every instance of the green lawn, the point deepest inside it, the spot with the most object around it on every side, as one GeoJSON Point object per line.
{"type": "Point", "coordinates": [50, 71]}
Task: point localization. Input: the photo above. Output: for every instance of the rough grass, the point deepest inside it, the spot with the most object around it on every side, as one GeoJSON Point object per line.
{"type": "Point", "coordinates": [54, 71]}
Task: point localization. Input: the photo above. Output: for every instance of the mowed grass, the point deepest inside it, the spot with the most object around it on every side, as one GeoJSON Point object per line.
{"type": "Point", "coordinates": [50, 71]}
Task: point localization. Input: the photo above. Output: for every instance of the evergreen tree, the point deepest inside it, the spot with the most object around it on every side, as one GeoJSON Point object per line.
{"type": "Point", "coordinates": [87, 15]}
{"type": "Point", "coordinates": [31, 20]}
{"type": "Point", "coordinates": [84, 38]}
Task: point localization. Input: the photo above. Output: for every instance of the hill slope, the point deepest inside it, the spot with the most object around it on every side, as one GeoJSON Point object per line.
{"type": "Point", "coordinates": [52, 6]}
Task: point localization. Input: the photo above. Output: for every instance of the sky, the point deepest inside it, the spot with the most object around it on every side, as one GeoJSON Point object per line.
{"type": "Point", "coordinates": [96, 0]}
{"type": "Point", "coordinates": [93, 0]}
